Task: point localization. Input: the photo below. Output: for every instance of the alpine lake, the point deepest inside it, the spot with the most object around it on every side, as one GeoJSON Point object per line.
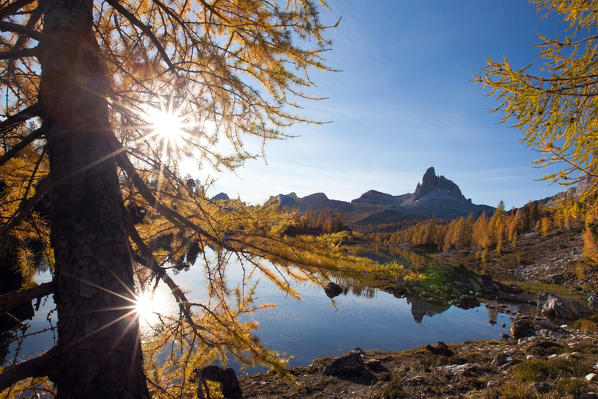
{"type": "Point", "coordinates": [363, 315]}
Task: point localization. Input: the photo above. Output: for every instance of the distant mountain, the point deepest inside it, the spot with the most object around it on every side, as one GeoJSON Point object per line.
{"type": "Point", "coordinates": [584, 185]}
{"type": "Point", "coordinates": [317, 201]}
{"type": "Point", "coordinates": [435, 196]}
{"type": "Point", "coordinates": [220, 196]}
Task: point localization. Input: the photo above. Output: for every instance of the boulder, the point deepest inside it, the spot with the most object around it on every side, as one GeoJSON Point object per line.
{"type": "Point", "coordinates": [522, 328]}
{"type": "Point", "coordinates": [593, 303]}
{"type": "Point", "coordinates": [440, 349]}
{"type": "Point", "coordinates": [552, 305]}
{"type": "Point", "coordinates": [375, 365]}
{"type": "Point", "coordinates": [348, 365]}
{"type": "Point", "coordinates": [332, 289]}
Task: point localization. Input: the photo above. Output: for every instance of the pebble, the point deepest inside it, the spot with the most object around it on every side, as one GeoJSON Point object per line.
{"type": "Point", "coordinates": [591, 377]}
{"type": "Point", "coordinates": [530, 357]}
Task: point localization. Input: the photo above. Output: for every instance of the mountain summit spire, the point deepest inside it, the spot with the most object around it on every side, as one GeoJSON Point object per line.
{"type": "Point", "coordinates": [431, 182]}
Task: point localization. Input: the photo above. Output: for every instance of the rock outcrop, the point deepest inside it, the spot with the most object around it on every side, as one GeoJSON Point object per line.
{"type": "Point", "coordinates": [431, 182]}
{"type": "Point", "coordinates": [552, 305]}
{"type": "Point", "coordinates": [347, 365]}
{"type": "Point", "coordinates": [522, 328]}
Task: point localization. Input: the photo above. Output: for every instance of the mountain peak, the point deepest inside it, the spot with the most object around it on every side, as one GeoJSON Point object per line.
{"type": "Point", "coordinates": [431, 182]}
{"type": "Point", "coordinates": [429, 176]}
{"type": "Point", "coordinates": [220, 196]}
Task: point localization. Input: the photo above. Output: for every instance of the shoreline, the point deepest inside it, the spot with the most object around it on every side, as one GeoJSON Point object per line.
{"type": "Point", "coordinates": [473, 369]}
{"type": "Point", "coordinates": [556, 361]}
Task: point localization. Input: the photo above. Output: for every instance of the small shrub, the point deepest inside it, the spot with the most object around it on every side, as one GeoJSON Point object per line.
{"type": "Point", "coordinates": [537, 370]}
{"type": "Point", "coordinates": [511, 390]}
{"type": "Point", "coordinates": [571, 386]}
{"type": "Point", "coordinates": [393, 390]}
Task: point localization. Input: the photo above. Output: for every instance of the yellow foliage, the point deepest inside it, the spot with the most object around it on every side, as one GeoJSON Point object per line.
{"type": "Point", "coordinates": [590, 237]}
{"type": "Point", "coordinates": [556, 105]}
{"type": "Point", "coordinates": [546, 224]}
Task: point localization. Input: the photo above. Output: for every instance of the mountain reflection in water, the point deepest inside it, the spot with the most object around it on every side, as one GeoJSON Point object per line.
{"type": "Point", "coordinates": [370, 313]}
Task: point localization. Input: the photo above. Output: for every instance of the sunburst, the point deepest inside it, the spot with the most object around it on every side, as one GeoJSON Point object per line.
{"type": "Point", "coordinates": [148, 305]}
{"type": "Point", "coordinates": [169, 126]}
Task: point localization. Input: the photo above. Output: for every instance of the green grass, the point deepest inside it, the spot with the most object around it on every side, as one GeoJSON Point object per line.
{"type": "Point", "coordinates": [536, 288]}
{"type": "Point", "coordinates": [537, 370]}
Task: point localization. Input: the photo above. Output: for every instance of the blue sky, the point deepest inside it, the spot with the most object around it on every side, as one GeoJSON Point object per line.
{"type": "Point", "coordinates": [405, 100]}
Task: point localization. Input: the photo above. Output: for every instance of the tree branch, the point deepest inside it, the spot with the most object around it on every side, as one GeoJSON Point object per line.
{"type": "Point", "coordinates": [13, 299]}
{"type": "Point", "coordinates": [173, 216]}
{"type": "Point", "coordinates": [30, 112]}
{"type": "Point", "coordinates": [26, 207]}
{"type": "Point", "coordinates": [147, 259]}
{"type": "Point", "coordinates": [144, 28]}
{"type": "Point", "coordinates": [36, 367]}
{"type": "Point", "coordinates": [36, 134]}
{"type": "Point", "coordinates": [14, 7]}
{"type": "Point", "coordinates": [16, 28]}
{"type": "Point", "coordinates": [23, 39]}
{"type": "Point", "coordinates": [13, 54]}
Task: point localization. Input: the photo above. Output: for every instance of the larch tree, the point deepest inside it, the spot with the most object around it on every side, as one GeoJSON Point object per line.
{"type": "Point", "coordinates": [101, 102]}
{"type": "Point", "coordinates": [555, 102]}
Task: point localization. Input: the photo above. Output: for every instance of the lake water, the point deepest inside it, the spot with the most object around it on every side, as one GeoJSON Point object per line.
{"type": "Point", "coordinates": [317, 326]}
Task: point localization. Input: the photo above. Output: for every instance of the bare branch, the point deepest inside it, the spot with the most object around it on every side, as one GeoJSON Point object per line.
{"type": "Point", "coordinates": [13, 299]}
{"type": "Point", "coordinates": [23, 39]}
{"type": "Point", "coordinates": [144, 28]}
{"type": "Point", "coordinates": [36, 134]}
{"type": "Point", "coordinates": [16, 28]}
{"type": "Point", "coordinates": [13, 54]}
{"type": "Point", "coordinates": [36, 367]}
{"type": "Point", "coordinates": [30, 112]}
{"type": "Point", "coordinates": [14, 7]}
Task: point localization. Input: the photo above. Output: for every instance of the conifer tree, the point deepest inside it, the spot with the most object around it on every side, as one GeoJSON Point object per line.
{"type": "Point", "coordinates": [555, 103]}
{"type": "Point", "coordinates": [82, 156]}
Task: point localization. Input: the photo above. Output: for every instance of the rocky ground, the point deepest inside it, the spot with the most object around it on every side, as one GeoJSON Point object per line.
{"type": "Point", "coordinates": [553, 363]}
{"type": "Point", "coordinates": [538, 359]}
{"type": "Point", "coordinates": [552, 263]}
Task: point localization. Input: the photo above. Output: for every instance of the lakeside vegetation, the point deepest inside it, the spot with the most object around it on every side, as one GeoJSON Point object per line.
{"type": "Point", "coordinates": [488, 233]}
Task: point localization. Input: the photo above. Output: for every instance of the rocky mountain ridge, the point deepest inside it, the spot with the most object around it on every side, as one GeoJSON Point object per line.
{"type": "Point", "coordinates": [435, 196]}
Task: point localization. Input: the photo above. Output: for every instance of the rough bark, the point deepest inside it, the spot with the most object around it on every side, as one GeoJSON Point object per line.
{"type": "Point", "coordinates": [98, 347]}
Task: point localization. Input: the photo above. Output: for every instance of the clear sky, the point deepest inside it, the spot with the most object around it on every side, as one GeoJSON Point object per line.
{"type": "Point", "coordinates": [405, 100]}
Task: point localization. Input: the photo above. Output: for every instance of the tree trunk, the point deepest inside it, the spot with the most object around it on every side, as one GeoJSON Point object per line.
{"type": "Point", "coordinates": [98, 342]}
